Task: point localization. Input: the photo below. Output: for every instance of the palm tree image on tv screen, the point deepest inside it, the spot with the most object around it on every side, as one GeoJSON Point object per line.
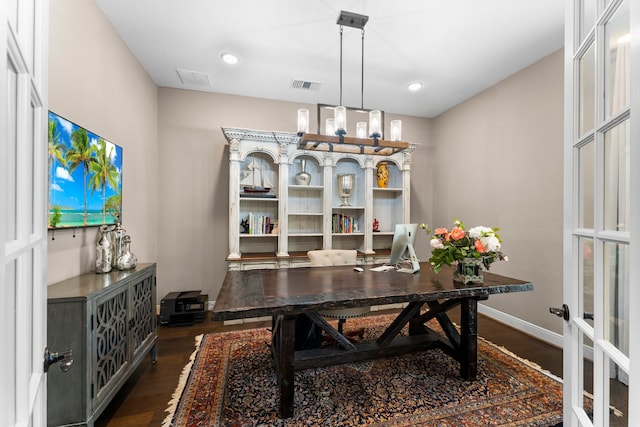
{"type": "Point", "coordinates": [85, 177]}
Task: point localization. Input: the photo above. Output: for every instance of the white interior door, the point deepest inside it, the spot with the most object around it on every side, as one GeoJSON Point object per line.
{"type": "Point", "coordinates": [602, 203]}
{"type": "Point", "coordinates": [23, 197]}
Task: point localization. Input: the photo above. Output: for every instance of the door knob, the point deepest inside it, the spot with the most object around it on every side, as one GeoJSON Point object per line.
{"type": "Point", "coordinates": [560, 312]}
{"type": "Point", "coordinates": [64, 357]}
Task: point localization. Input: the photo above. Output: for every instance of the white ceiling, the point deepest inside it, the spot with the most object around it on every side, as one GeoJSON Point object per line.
{"type": "Point", "coordinates": [457, 48]}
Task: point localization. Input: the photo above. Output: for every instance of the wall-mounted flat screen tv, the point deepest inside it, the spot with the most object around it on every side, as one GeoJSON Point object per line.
{"type": "Point", "coordinates": [85, 176]}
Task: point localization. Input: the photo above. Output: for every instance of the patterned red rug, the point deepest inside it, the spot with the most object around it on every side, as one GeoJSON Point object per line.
{"type": "Point", "coordinates": [231, 382]}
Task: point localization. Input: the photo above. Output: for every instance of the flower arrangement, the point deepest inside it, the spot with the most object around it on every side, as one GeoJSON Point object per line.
{"type": "Point", "coordinates": [447, 247]}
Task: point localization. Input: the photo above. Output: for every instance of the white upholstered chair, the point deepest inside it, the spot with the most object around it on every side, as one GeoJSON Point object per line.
{"type": "Point", "coordinates": [329, 257]}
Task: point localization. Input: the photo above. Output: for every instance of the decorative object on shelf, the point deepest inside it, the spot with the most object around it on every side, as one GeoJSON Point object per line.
{"type": "Point", "coordinates": [117, 234]}
{"type": "Point", "coordinates": [254, 180]}
{"type": "Point", "coordinates": [376, 225]}
{"type": "Point", "coordinates": [340, 143]}
{"type": "Point", "coordinates": [303, 177]}
{"type": "Point", "coordinates": [127, 260]}
{"type": "Point", "coordinates": [460, 246]}
{"type": "Point", "coordinates": [244, 226]}
{"type": "Point", "coordinates": [274, 228]}
{"type": "Point", "coordinates": [346, 183]}
{"type": "Point", "coordinates": [103, 251]}
{"type": "Point", "coordinates": [382, 175]}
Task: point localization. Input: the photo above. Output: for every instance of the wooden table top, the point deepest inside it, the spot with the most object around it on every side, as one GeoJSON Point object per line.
{"type": "Point", "coordinates": [269, 292]}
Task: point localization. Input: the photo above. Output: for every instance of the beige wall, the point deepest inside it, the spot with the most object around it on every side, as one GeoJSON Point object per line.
{"type": "Point", "coordinates": [498, 163]}
{"type": "Point", "coordinates": [194, 178]}
{"type": "Point", "coordinates": [96, 82]}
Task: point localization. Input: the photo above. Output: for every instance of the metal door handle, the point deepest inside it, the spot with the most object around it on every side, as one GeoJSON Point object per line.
{"type": "Point", "coordinates": [560, 312]}
{"type": "Point", "coordinates": [65, 357]}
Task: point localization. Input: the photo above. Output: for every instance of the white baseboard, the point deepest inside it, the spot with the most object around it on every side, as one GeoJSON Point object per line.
{"type": "Point", "coordinates": [521, 325]}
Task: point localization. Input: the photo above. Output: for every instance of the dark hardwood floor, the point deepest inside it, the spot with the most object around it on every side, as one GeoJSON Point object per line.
{"type": "Point", "coordinates": [144, 397]}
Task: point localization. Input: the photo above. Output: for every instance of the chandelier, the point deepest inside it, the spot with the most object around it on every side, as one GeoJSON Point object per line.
{"type": "Point", "coordinates": [334, 137]}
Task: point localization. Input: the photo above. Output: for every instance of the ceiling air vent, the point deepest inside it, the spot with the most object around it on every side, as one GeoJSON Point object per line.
{"type": "Point", "coordinates": [188, 77]}
{"type": "Point", "coordinates": [304, 85]}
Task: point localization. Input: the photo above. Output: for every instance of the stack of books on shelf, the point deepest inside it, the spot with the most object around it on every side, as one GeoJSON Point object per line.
{"type": "Point", "coordinates": [259, 224]}
{"type": "Point", "coordinates": [342, 223]}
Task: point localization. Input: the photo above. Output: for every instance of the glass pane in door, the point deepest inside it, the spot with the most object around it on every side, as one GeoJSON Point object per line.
{"type": "Point", "coordinates": [586, 279]}
{"type": "Point", "coordinates": [616, 292]}
{"type": "Point", "coordinates": [616, 178]}
{"type": "Point", "coordinates": [588, 17]}
{"type": "Point", "coordinates": [586, 91]}
{"type": "Point", "coordinates": [12, 162]}
{"type": "Point", "coordinates": [618, 403]}
{"type": "Point", "coordinates": [617, 62]}
{"type": "Point", "coordinates": [586, 185]}
{"type": "Point", "coordinates": [587, 378]}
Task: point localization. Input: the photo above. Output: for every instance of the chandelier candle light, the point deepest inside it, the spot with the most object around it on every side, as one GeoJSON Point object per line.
{"type": "Point", "coordinates": [330, 126]}
{"type": "Point", "coordinates": [361, 129]}
{"type": "Point", "coordinates": [396, 130]}
{"type": "Point", "coordinates": [303, 121]}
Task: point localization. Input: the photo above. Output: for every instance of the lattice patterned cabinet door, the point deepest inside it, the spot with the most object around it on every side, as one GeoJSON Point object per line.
{"type": "Point", "coordinates": [143, 316]}
{"type": "Point", "coordinates": [110, 330]}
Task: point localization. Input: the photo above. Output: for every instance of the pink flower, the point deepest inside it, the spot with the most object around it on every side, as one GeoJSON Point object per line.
{"type": "Point", "coordinates": [480, 247]}
{"type": "Point", "coordinates": [457, 233]}
{"type": "Point", "coordinates": [440, 231]}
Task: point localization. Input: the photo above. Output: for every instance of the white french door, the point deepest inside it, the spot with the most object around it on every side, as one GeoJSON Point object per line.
{"type": "Point", "coordinates": [602, 213]}
{"type": "Point", "coordinates": [23, 205]}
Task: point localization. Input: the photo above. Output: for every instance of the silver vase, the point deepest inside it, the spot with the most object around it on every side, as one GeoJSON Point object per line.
{"type": "Point", "coordinates": [346, 183]}
{"type": "Point", "coordinates": [303, 177]}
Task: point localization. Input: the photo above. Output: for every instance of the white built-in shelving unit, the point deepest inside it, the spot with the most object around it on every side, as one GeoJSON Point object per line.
{"type": "Point", "coordinates": [302, 216]}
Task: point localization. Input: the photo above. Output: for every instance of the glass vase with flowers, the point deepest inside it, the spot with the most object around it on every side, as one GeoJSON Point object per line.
{"type": "Point", "coordinates": [470, 251]}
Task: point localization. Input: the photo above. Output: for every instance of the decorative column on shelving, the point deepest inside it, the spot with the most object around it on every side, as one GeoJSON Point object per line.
{"type": "Point", "coordinates": [234, 197]}
{"type": "Point", "coordinates": [327, 207]}
{"type": "Point", "coordinates": [368, 207]}
{"type": "Point", "coordinates": [283, 198]}
{"type": "Point", "coordinates": [406, 182]}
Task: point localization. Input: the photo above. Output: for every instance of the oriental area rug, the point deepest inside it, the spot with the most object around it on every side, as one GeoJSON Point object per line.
{"type": "Point", "coordinates": [231, 381]}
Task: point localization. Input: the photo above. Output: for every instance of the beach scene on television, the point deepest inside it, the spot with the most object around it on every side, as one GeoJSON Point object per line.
{"type": "Point", "coordinates": [85, 177]}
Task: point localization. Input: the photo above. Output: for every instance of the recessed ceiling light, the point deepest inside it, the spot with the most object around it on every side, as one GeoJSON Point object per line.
{"type": "Point", "coordinates": [229, 58]}
{"type": "Point", "coordinates": [414, 86]}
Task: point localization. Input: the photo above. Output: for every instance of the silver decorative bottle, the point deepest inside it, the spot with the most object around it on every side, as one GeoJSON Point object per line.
{"type": "Point", "coordinates": [117, 234]}
{"type": "Point", "coordinates": [303, 177]}
{"type": "Point", "coordinates": [103, 251]}
{"type": "Point", "coordinates": [127, 260]}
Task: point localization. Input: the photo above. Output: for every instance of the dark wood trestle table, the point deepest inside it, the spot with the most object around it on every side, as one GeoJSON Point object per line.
{"type": "Point", "coordinates": [290, 294]}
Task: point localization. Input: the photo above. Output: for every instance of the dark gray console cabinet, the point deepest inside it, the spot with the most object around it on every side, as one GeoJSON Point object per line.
{"type": "Point", "coordinates": [109, 322]}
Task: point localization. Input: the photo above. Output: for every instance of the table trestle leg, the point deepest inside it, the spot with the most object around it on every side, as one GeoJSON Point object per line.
{"type": "Point", "coordinates": [283, 348]}
{"type": "Point", "coordinates": [331, 331]}
{"type": "Point", "coordinates": [403, 318]}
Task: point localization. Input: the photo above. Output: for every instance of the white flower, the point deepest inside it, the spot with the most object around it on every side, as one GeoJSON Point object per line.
{"type": "Point", "coordinates": [436, 243]}
{"type": "Point", "coordinates": [480, 231]}
{"type": "Point", "coordinates": [491, 243]}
